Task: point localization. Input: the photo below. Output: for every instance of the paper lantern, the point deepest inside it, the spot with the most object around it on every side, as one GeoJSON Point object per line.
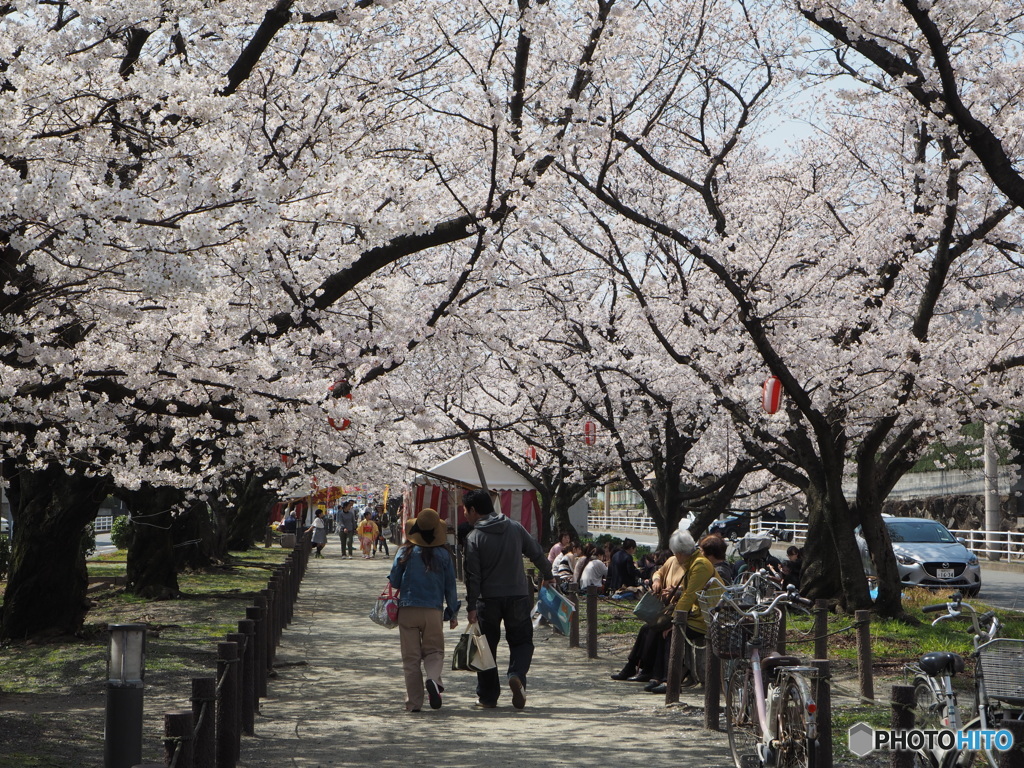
{"type": "Point", "coordinates": [531, 455]}
{"type": "Point", "coordinates": [771, 394]}
{"type": "Point", "coordinates": [344, 423]}
{"type": "Point", "coordinates": [589, 433]}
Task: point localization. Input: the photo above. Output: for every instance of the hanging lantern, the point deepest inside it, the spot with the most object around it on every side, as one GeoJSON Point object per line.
{"type": "Point", "coordinates": [589, 432]}
{"type": "Point", "coordinates": [531, 455]}
{"type": "Point", "coordinates": [771, 394]}
{"type": "Point", "coordinates": [343, 423]}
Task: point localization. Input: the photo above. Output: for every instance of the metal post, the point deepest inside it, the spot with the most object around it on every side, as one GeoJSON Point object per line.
{"type": "Point", "coordinates": [823, 698]}
{"type": "Point", "coordinates": [178, 733]}
{"type": "Point", "coordinates": [227, 704]}
{"type": "Point", "coordinates": [864, 661]}
{"type": "Point", "coordinates": [712, 690]}
{"type": "Point", "coordinates": [903, 701]}
{"type": "Point", "coordinates": [592, 622]}
{"type": "Point", "coordinates": [122, 738]}
{"type": "Point", "coordinates": [204, 702]}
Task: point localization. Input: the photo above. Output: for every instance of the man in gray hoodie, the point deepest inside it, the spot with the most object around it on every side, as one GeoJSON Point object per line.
{"type": "Point", "coordinates": [347, 528]}
{"type": "Point", "coordinates": [497, 591]}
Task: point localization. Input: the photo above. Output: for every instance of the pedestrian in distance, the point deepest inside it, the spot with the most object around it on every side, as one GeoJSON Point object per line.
{"type": "Point", "coordinates": [367, 531]}
{"type": "Point", "coordinates": [383, 521]}
{"type": "Point", "coordinates": [319, 532]}
{"type": "Point", "coordinates": [424, 574]}
{"type": "Point", "coordinates": [347, 528]}
{"type": "Point", "coordinates": [498, 592]}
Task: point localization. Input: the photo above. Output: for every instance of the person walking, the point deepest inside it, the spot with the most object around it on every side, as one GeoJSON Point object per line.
{"type": "Point", "coordinates": [319, 532]}
{"type": "Point", "coordinates": [347, 528]}
{"type": "Point", "coordinates": [383, 531]}
{"type": "Point", "coordinates": [424, 574]}
{"type": "Point", "coordinates": [367, 531]}
{"type": "Point", "coordinates": [497, 592]}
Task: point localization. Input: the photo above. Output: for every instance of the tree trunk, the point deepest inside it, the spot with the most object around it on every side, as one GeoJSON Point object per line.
{"type": "Point", "coordinates": [195, 539]}
{"type": "Point", "coordinates": [247, 522]}
{"type": "Point", "coordinates": [151, 568]}
{"type": "Point", "coordinates": [832, 563]}
{"type": "Point", "coordinates": [46, 591]}
{"type": "Point", "coordinates": [889, 602]}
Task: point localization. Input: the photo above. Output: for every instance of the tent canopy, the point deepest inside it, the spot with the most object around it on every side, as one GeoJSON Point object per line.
{"type": "Point", "coordinates": [462, 469]}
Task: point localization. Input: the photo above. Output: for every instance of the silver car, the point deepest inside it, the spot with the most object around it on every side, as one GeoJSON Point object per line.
{"type": "Point", "coordinates": [928, 555]}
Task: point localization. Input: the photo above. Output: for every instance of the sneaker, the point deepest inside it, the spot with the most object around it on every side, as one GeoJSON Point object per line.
{"type": "Point", "coordinates": [518, 692]}
{"type": "Point", "coordinates": [434, 694]}
{"type": "Point", "coordinates": [485, 704]}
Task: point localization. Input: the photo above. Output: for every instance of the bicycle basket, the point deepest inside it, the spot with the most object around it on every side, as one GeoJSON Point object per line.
{"type": "Point", "coordinates": [730, 631]}
{"type": "Point", "coordinates": [1002, 663]}
{"type": "Point", "coordinates": [709, 597]}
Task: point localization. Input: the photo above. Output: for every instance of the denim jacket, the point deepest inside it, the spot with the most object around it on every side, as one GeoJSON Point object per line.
{"type": "Point", "coordinates": [421, 588]}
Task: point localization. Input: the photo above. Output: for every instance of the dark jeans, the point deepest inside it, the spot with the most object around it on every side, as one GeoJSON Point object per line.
{"type": "Point", "coordinates": [381, 543]}
{"type": "Point", "coordinates": [515, 613]}
{"type": "Point", "coordinates": [346, 541]}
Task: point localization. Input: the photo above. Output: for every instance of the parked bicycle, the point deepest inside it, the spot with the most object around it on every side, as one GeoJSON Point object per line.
{"type": "Point", "coordinates": [998, 685]}
{"type": "Point", "coordinates": [769, 703]}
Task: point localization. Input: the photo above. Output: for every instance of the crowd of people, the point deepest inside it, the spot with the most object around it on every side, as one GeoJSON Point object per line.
{"type": "Point", "coordinates": [499, 595]}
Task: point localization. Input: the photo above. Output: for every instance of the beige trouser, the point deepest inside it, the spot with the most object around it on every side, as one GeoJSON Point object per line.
{"type": "Point", "coordinates": [422, 636]}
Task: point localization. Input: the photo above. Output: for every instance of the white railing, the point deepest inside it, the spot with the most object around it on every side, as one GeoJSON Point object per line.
{"type": "Point", "coordinates": [621, 520]}
{"type": "Point", "coordinates": [102, 524]}
{"type": "Point", "coordinates": [987, 545]}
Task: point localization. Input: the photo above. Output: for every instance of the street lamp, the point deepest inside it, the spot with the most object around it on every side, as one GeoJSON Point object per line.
{"type": "Point", "coordinates": [126, 666]}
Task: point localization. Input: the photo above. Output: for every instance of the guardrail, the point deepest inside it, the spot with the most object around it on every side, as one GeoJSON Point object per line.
{"type": "Point", "coordinates": [103, 524]}
{"type": "Point", "coordinates": [991, 545]}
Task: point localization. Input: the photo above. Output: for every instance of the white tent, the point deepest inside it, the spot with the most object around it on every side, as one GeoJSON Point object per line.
{"type": "Point", "coordinates": [441, 487]}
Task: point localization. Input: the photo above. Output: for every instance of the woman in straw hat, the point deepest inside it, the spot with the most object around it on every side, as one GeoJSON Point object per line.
{"type": "Point", "coordinates": [424, 574]}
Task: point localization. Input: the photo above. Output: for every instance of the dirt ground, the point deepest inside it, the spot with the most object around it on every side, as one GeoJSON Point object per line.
{"type": "Point", "coordinates": [337, 700]}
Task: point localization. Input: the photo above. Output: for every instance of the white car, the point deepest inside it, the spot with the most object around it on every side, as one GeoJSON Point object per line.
{"type": "Point", "coordinates": [928, 555]}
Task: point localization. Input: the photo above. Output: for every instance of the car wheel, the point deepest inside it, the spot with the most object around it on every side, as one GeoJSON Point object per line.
{"type": "Point", "coordinates": [973, 592]}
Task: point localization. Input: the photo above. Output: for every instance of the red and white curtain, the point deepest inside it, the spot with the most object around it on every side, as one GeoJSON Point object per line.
{"type": "Point", "coordinates": [521, 506]}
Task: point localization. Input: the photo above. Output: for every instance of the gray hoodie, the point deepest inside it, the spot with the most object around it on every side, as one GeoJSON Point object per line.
{"type": "Point", "coordinates": [494, 560]}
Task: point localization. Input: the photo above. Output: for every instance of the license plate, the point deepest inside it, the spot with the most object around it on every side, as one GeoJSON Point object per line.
{"type": "Point", "coordinates": [945, 573]}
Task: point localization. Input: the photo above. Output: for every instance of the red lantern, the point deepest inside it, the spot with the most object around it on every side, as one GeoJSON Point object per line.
{"type": "Point", "coordinates": [531, 455]}
{"type": "Point", "coordinates": [345, 423]}
{"type": "Point", "coordinates": [589, 433]}
{"type": "Point", "coordinates": [771, 394]}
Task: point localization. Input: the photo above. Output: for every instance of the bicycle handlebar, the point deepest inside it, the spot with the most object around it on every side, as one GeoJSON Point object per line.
{"type": "Point", "coordinates": [934, 608]}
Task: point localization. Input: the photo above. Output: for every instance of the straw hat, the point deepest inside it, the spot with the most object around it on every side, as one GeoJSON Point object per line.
{"type": "Point", "coordinates": [427, 530]}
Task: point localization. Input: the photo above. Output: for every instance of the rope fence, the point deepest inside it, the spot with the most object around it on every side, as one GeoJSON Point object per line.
{"type": "Point", "coordinates": [224, 706]}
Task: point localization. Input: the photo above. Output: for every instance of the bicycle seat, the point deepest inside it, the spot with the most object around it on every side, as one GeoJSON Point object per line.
{"type": "Point", "coordinates": [775, 660]}
{"type": "Point", "coordinates": [940, 662]}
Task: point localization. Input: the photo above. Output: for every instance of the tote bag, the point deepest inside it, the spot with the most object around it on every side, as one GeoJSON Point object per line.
{"type": "Point", "coordinates": [385, 609]}
{"type": "Point", "coordinates": [472, 653]}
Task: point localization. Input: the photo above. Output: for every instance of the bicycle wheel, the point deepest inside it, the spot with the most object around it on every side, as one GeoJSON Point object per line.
{"type": "Point", "coordinates": [927, 710]}
{"type": "Point", "coordinates": [797, 743]}
{"type": "Point", "coordinates": [741, 718]}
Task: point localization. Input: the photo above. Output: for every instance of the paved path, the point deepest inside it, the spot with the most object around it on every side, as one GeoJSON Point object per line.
{"type": "Point", "coordinates": [338, 698]}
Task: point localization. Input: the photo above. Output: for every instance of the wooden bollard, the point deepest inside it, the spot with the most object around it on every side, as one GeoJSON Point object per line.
{"type": "Point", "coordinates": [204, 704]}
{"type": "Point", "coordinates": [592, 622]}
{"type": "Point", "coordinates": [676, 654]}
{"type": "Point", "coordinates": [178, 733]}
{"type": "Point", "coordinates": [712, 690]}
{"type": "Point", "coordinates": [247, 628]}
{"type": "Point", "coordinates": [821, 629]}
{"type": "Point", "coordinates": [239, 640]}
{"type": "Point", "coordinates": [256, 614]}
{"type": "Point", "coordinates": [823, 698]}
{"type": "Point", "coordinates": [574, 622]}
{"type": "Point", "coordinates": [1014, 756]}
{"type": "Point", "coordinates": [227, 705]}
{"type": "Point", "coordinates": [864, 661]}
{"type": "Point", "coordinates": [903, 703]}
